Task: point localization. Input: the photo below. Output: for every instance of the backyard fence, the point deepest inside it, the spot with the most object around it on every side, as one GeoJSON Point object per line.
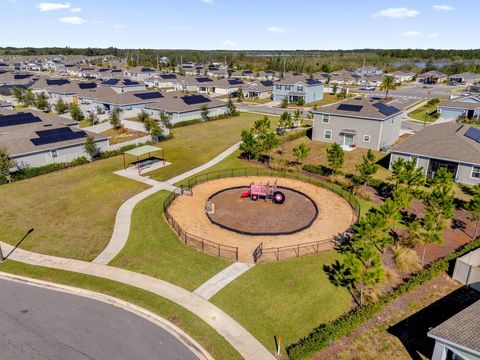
{"type": "Point", "coordinates": [260, 254]}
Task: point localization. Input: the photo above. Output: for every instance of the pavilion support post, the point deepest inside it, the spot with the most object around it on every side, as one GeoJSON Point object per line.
{"type": "Point", "coordinates": [124, 166]}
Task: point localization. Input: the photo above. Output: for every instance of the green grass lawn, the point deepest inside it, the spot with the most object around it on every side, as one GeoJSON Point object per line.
{"type": "Point", "coordinates": [72, 211]}
{"type": "Point", "coordinates": [188, 322]}
{"type": "Point", "coordinates": [154, 249]}
{"type": "Point", "coordinates": [423, 113]}
{"type": "Point", "coordinates": [286, 298]}
{"type": "Point", "coordinates": [196, 144]}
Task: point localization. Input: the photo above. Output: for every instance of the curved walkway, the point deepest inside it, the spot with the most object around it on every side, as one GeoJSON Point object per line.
{"type": "Point", "coordinates": [121, 228]}
{"type": "Point", "coordinates": [245, 343]}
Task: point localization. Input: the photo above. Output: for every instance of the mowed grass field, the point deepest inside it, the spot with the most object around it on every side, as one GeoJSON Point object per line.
{"type": "Point", "coordinates": [286, 298]}
{"type": "Point", "coordinates": [196, 144]}
{"type": "Point", "coordinates": [318, 156]}
{"type": "Point", "coordinates": [73, 211]}
{"type": "Point", "coordinates": [154, 249]}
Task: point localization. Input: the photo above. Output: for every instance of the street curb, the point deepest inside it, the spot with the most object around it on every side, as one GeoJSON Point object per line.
{"type": "Point", "coordinates": [171, 328]}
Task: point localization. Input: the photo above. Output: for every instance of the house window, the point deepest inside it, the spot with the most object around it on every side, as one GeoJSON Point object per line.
{"type": "Point", "coordinates": [325, 119]}
{"type": "Point", "coordinates": [366, 138]}
{"type": "Point", "coordinates": [476, 172]}
{"type": "Point", "coordinates": [327, 134]}
{"type": "Point", "coordinates": [300, 88]}
{"type": "Point", "coordinates": [279, 87]}
{"type": "Point", "coordinates": [54, 153]}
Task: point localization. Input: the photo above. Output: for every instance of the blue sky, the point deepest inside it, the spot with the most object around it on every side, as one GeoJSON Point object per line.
{"type": "Point", "coordinates": [244, 24]}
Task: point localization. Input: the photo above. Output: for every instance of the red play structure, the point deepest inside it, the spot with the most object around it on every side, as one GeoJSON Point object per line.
{"type": "Point", "coordinates": [267, 192]}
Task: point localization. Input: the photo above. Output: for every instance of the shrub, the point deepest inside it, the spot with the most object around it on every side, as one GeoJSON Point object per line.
{"type": "Point", "coordinates": [198, 121]}
{"type": "Point", "coordinates": [318, 170]}
{"type": "Point", "coordinates": [30, 172]}
{"type": "Point", "coordinates": [321, 336]}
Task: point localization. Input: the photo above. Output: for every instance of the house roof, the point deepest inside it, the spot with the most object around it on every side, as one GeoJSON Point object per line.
{"type": "Point", "coordinates": [361, 108]}
{"type": "Point", "coordinates": [298, 79]}
{"type": "Point", "coordinates": [433, 73]}
{"type": "Point", "coordinates": [175, 102]}
{"type": "Point", "coordinates": [460, 105]}
{"type": "Point", "coordinates": [18, 129]}
{"type": "Point", "coordinates": [142, 150]}
{"type": "Point", "coordinates": [462, 329]}
{"type": "Point", "coordinates": [442, 141]}
{"type": "Point", "coordinates": [466, 75]}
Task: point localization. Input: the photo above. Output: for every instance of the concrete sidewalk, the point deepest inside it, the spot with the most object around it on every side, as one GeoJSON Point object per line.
{"type": "Point", "coordinates": [222, 279]}
{"type": "Point", "coordinates": [244, 342]}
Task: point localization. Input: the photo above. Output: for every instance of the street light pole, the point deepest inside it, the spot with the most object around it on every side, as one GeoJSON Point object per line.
{"type": "Point", "coordinates": [425, 118]}
{"type": "Point", "coordinates": [1, 254]}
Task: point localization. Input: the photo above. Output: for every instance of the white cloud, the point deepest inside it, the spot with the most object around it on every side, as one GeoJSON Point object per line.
{"type": "Point", "coordinates": [98, 22]}
{"type": "Point", "coordinates": [47, 6]}
{"type": "Point", "coordinates": [229, 43]}
{"type": "Point", "coordinates": [397, 13]}
{"type": "Point", "coordinates": [412, 33]}
{"type": "Point", "coordinates": [13, 1]}
{"type": "Point", "coordinates": [276, 29]}
{"type": "Point", "coordinates": [209, 2]}
{"type": "Point", "coordinates": [117, 26]}
{"type": "Point", "coordinates": [76, 10]}
{"type": "Point", "coordinates": [72, 20]}
{"type": "Point", "coordinates": [433, 35]}
{"type": "Point", "coordinates": [443, 7]}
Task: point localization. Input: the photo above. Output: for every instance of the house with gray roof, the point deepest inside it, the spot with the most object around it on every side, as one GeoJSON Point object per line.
{"type": "Point", "coordinates": [453, 146]}
{"type": "Point", "coordinates": [403, 75]}
{"type": "Point", "coordinates": [466, 78]}
{"type": "Point", "coordinates": [459, 336]}
{"type": "Point", "coordinates": [358, 122]}
{"type": "Point", "coordinates": [258, 89]}
{"type": "Point", "coordinates": [297, 87]}
{"type": "Point", "coordinates": [34, 138]}
{"type": "Point", "coordinates": [463, 106]}
{"type": "Point", "coordinates": [182, 107]}
{"type": "Point", "coordinates": [432, 77]}
{"type": "Point", "coordinates": [140, 73]}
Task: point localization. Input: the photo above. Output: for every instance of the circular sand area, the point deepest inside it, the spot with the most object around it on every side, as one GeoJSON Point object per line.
{"type": "Point", "coordinates": [335, 215]}
{"type": "Point", "coordinates": [262, 217]}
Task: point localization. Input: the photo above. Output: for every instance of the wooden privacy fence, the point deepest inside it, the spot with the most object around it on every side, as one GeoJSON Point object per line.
{"type": "Point", "coordinates": [260, 254]}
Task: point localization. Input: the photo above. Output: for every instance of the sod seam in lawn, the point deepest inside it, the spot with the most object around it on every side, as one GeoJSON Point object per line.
{"type": "Point", "coordinates": [215, 344]}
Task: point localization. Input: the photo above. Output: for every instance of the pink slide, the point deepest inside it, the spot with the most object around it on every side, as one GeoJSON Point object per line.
{"type": "Point", "coordinates": [245, 194]}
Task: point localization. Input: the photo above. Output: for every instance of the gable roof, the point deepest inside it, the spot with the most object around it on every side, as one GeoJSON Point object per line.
{"type": "Point", "coordinates": [361, 108]}
{"type": "Point", "coordinates": [179, 102]}
{"type": "Point", "coordinates": [462, 329]}
{"type": "Point", "coordinates": [443, 141]}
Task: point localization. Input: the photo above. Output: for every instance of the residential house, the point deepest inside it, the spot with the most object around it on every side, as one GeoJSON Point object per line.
{"type": "Point", "coordinates": [34, 138]}
{"type": "Point", "coordinates": [466, 78]}
{"type": "Point", "coordinates": [458, 337]}
{"type": "Point", "coordinates": [358, 122]}
{"type": "Point", "coordinates": [124, 85]}
{"type": "Point", "coordinates": [401, 76]}
{"type": "Point", "coordinates": [453, 146]}
{"type": "Point", "coordinates": [258, 89]}
{"type": "Point", "coordinates": [345, 77]}
{"type": "Point", "coordinates": [297, 87]}
{"type": "Point", "coordinates": [432, 77]}
{"type": "Point", "coordinates": [369, 71]}
{"type": "Point", "coordinates": [464, 106]}
{"type": "Point", "coordinates": [139, 73]}
{"type": "Point", "coordinates": [164, 81]}
{"type": "Point", "coordinates": [182, 107]}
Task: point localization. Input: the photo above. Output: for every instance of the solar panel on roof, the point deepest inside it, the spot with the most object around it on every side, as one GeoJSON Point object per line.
{"type": "Point", "coordinates": [386, 109]}
{"type": "Point", "coordinates": [349, 107]}
{"type": "Point", "coordinates": [58, 131]}
{"type": "Point", "coordinates": [313, 82]}
{"type": "Point", "coordinates": [235, 82]}
{"type": "Point", "coordinates": [130, 82]}
{"type": "Point", "coordinates": [168, 76]}
{"type": "Point", "coordinates": [87, 85]}
{"type": "Point", "coordinates": [18, 119]}
{"type": "Point", "coordinates": [473, 133]}
{"type": "Point", "coordinates": [267, 83]}
{"type": "Point", "coordinates": [149, 95]}
{"type": "Point", "coordinates": [57, 81]}
{"type": "Point", "coordinates": [22, 76]}
{"type": "Point", "coordinates": [195, 99]}
{"type": "Point", "coordinates": [204, 79]}
{"type": "Point", "coordinates": [111, 82]}
{"type": "Point", "coordinates": [57, 135]}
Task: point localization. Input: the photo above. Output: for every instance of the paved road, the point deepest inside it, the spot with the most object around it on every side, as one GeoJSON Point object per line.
{"type": "Point", "coordinates": [418, 91]}
{"type": "Point", "coordinates": [38, 323]}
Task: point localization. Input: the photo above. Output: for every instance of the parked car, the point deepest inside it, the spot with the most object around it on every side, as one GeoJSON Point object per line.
{"type": "Point", "coordinates": [368, 88]}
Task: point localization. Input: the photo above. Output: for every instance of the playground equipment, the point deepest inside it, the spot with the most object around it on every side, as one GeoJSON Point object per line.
{"type": "Point", "coordinates": [267, 192]}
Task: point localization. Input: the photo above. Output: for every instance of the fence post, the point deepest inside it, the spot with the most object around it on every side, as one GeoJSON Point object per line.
{"type": "Point", "coordinates": [203, 246]}
{"type": "Point", "coordinates": [236, 254]}
{"type": "Point", "coordinates": [298, 250]}
{"type": "Point", "coordinates": [218, 250]}
{"type": "Point", "coordinates": [278, 253]}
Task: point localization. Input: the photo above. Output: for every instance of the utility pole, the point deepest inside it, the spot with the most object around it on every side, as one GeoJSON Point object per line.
{"type": "Point", "coordinates": [157, 62]}
{"type": "Point", "coordinates": [137, 58]}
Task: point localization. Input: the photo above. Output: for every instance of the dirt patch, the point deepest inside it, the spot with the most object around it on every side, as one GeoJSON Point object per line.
{"type": "Point", "coordinates": [262, 217]}
{"type": "Point", "coordinates": [335, 216]}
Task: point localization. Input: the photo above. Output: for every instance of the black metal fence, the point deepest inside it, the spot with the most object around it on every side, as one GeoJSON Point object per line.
{"type": "Point", "coordinates": [260, 254]}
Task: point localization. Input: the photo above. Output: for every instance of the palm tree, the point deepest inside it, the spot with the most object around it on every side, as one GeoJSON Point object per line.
{"type": "Point", "coordinates": [388, 84]}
